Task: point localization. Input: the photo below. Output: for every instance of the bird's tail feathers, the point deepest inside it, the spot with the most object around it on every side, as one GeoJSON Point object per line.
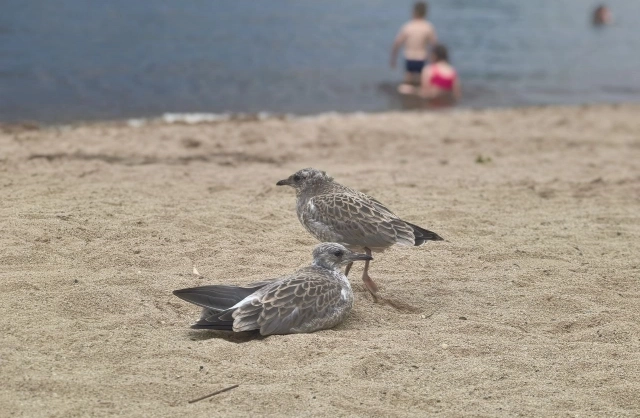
{"type": "Point", "coordinates": [213, 319]}
{"type": "Point", "coordinates": [423, 235]}
{"type": "Point", "coordinates": [215, 325]}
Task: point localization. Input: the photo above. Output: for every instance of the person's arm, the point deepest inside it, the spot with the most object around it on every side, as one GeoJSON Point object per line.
{"type": "Point", "coordinates": [399, 41]}
{"type": "Point", "coordinates": [425, 86]}
{"type": "Point", "coordinates": [457, 92]}
{"type": "Point", "coordinates": [434, 36]}
{"type": "Point", "coordinates": [432, 39]}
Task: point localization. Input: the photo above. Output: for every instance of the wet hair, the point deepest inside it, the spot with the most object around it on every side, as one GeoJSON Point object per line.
{"type": "Point", "coordinates": [420, 9]}
{"type": "Point", "coordinates": [440, 53]}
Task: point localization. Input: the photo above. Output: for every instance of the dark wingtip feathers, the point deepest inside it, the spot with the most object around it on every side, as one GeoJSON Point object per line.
{"type": "Point", "coordinates": [218, 326]}
{"type": "Point", "coordinates": [423, 235]}
{"type": "Point", "coordinates": [216, 297]}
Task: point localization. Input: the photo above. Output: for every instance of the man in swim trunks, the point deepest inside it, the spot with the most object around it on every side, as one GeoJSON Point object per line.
{"type": "Point", "coordinates": [416, 36]}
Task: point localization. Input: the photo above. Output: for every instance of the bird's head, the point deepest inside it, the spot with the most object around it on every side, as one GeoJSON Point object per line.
{"type": "Point", "coordinates": [332, 255]}
{"type": "Point", "coordinates": [302, 179]}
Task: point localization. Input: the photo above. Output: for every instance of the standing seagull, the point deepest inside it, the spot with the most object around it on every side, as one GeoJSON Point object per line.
{"type": "Point", "coordinates": [333, 212]}
{"type": "Point", "coordinates": [313, 298]}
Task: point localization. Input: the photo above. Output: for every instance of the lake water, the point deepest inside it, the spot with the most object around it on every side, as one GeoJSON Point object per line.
{"type": "Point", "coordinates": [70, 60]}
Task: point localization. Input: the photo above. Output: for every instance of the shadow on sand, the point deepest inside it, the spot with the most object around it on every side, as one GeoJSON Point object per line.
{"type": "Point", "coordinates": [229, 336]}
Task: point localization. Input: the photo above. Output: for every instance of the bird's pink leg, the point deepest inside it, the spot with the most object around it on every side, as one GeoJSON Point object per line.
{"type": "Point", "coordinates": [371, 286]}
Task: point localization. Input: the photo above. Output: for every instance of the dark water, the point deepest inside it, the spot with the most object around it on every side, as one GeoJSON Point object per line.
{"type": "Point", "coordinates": [69, 60]}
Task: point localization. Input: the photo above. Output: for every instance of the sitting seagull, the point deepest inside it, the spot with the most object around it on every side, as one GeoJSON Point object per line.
{"type": "Point", "coordinates": [313, 298]}
{"type": "Point", "coordinates": [333, 212]}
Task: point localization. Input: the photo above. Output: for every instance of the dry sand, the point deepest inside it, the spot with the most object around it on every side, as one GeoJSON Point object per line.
{"type": "Point", "coordinates": [531, 307]}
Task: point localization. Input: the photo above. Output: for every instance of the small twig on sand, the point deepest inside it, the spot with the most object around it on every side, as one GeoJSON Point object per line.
{"type": "Point", "coordinates": [213, 394]}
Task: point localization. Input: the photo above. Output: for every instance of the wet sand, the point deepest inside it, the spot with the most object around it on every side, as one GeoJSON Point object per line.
{"type": "Point", "coordinates": [531, 306]}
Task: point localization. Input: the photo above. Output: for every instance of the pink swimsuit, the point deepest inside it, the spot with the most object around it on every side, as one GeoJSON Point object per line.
{"type": "Point", "coordinates": [443, 82]}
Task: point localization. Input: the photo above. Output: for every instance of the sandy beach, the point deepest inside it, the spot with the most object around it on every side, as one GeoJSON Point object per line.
{"type": "Point", "coordinates": [530, 307]}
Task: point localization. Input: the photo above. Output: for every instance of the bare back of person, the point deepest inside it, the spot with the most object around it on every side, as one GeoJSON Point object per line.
{"type": "Point", "coordinates": [418, 35]}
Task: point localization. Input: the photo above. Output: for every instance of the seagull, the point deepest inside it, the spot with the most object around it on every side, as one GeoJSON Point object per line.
{"type": "Point", "coordinates": [336, 213]}
{"type": "Point", "coordinates": [313, 298]}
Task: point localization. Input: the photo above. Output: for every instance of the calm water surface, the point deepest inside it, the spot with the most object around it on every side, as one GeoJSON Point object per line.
{"type": "Point", "coordinates": [70, 60]}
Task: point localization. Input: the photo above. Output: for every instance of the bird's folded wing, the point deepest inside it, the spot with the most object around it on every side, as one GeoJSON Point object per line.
{"type": "Point", "coordinates": [359, 220]}
{"type": "Point", "coordinates": [289, 305]}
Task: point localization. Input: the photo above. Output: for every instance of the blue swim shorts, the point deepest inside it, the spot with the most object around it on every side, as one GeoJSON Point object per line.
{"type": "Point", "coordinates": [414, 66]}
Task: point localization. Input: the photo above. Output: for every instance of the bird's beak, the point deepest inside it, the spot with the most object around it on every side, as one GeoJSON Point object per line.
{"type": "Point", "coordinates": [284, 182]}
{"type": "Point", "coordinates": [358, 257]}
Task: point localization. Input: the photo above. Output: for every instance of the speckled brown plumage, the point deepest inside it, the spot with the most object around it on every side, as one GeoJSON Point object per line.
{"type": "Point", "coordinates": [315, 297]}
{"type": "Point", "coordinates": [333, 212]}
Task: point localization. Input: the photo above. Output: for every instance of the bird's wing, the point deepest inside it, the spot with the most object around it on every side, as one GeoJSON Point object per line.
{"type": "Point", "coordinates": [376, 203]}
{"type": "Point", "coordinates": [291, 305]}
{"type": "Point", "coordinates": [359, 220]}
{"type": "Point", "coordinates": [420, 235]}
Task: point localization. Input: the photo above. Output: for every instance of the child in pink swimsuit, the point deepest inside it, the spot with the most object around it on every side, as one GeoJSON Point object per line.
{"type": "Point", "coordinates": [438, 80]}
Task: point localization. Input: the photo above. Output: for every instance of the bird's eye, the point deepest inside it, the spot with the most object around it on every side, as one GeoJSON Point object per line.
{"type": "Point", "coordinates": [338, 253]}
{"type": "Point", "coordinates": [296, 178]}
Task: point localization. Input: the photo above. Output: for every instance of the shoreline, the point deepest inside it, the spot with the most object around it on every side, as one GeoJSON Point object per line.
{"type": "Point", "coordinates": [529, 306]}
{"type": "Point", "coordinates": [194, 118]}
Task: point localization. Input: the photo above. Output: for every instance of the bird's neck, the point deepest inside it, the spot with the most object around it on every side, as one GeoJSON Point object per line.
{"type": "Point", "coordinates": [320, 264]}
{"type": "Point", "coordinates": [314, 186]}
